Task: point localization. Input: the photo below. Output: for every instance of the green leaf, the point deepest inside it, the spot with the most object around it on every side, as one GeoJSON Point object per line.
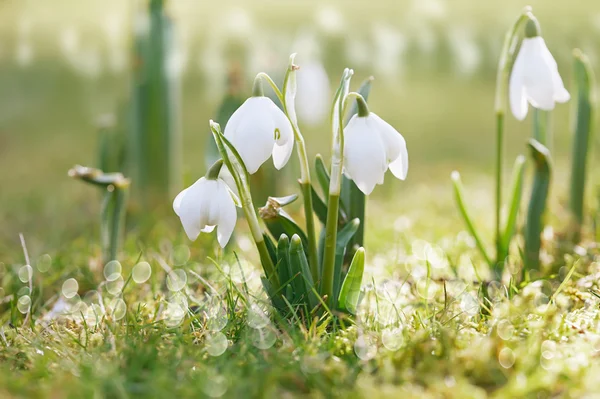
{"type": "Point", "coordinates": [582, 112]}
{"type": "Point", "coordinates": [271, 248]}
{"type": "Point", "coordinates": [283, 201]}
{"type": "Point", "coordinates": [537, 204]}
{"type": "Point", "coordinates": [322, 175]}
{"type": "Point", "coordinates": [319, 206]}
{"type": "Point", "coordinates": [279, 222]}
{"type": "Point", "coordinates": [343, 239]}
{"type": "Point", "coordinates": [460, 201]}
{"type": "Point", "coordinates": [350, 292]}
{"type": "Point", "coordinates": [299, 264]}
{"type": "Point", "coordinates": [515, 205]}
{"type": "Point", "coordinates": [283, 262]}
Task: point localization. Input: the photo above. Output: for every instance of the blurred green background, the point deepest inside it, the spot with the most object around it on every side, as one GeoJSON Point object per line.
{"type": "Point", "coordinates": [65, 65]}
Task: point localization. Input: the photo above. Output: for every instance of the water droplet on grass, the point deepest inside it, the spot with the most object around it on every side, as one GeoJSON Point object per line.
{"type": "Point", "coordinates": [141, 272]}
{"type": "Point", "coordinates": [70, 288]}
{"type": "Point", "coordinates": [506, 358]}
{"type": "Point", "coordinates": [43, 263]}
{"type": "Point", "coordinates": [25, 273]}
{"type": "Point", "coordinates": [505, 330]}
{"type": "Point", "coordinates": [176, 280]}
{"type": "Point", "coordinates": [263, 338]}
{"type": "Point", "coordinates": [180, 255]}
{"type": "Point", "coordinates": [495, 291]}
{"type": "Point", "coordinates": [257, 318]}
{"type": "Point", "coordinates": [173, 315]}
{"type": "Point", "coordinates": [119, 308]}
{"type": "Point", "coordinates": [24, 304]}
{"type": "Point", "coordinates": [365, 347]}
{"type": "Point", "coordinates": [112, 270]}
{"type": "Point", "coordinates": [216, 344]}
{"type": "Point", "coordinates": [114, 287]}
{"type": "Point", "coordinates": [469, 304]}
{"type": "Point", "coordinates": [392, 338]}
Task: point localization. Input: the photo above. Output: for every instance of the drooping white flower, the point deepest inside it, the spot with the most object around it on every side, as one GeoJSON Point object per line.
{"type": "Point", "coordinates": [535, 78]}
{"type": "Point", "coordinates": [258, 129]}
{"type": "Point", "coordinates": [371, 146]}
{"type": "Point", "coordinates": [206, 204]}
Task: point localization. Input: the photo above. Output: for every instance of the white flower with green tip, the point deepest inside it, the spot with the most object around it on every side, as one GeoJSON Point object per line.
{"type": "Point", "coordinates": [371, 146]}
{"type": "Point", "coordinates": [258, 129]}
{"type": "Point", "coordinates": [535, 79]}
{"type": "Point", "coordinates": [206, 204]}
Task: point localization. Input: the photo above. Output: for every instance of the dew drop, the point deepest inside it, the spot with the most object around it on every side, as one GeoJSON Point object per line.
{"type": "Point", "coordinates": [119, 308]}
{"type": "Point", "coordinates": [365, 347]}
{"type": "Point", "coordinates": [70, 288]}
{"type": "Point", "coordinates": [216, 344]}
{"type": "Point", "coordinates": [180, 255]}
{"type": "Point", "coordinates": [112, 270]}
{"type": "Point", "coordinates": [25, 273]}
{"type": "Point", "coordinates": [173, 315]}
{"type": "Point", "coordinates": [469, 304]}
{"type": "Point", "coordinates": [505, 330]}
{"type": "Point", "coordinates": [506, 358]}
{"type": "Point", "coordinates": [392, 338]}
{"type": "Point", "coordinates": [114, 287]}
{"type": "Point", "coordinates": [263, 338]}
{"type": "Point", "coordinates": [24, 304]}
{"type": "Point", "coordinates": [44, 262]}
{"type": "Point", "coordinates": [141, 272]}
{"type": "Point", "coordinates": [257, 318]}
{"type": "Point", "coordinates": [176, 280]}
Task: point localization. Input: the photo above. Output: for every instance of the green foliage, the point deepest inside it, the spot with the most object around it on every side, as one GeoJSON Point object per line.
{"type": "Point", "coordinates": [154, 151]}
{"type": "Point", "coordinates": [584, 103]}
{"type": "Point", "coordinates": [350, 292]}
{"type": "Point", "coordinates": [537, 204]}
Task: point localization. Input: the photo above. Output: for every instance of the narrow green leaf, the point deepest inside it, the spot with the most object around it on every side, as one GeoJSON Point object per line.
{"type": "Point", "coordinates": [283, 260]}
{"type": "Point", "coordinates": [537, 204]}
{"type": "Point", "coordinates": [300, 263]}
{"type": "Point", "coordinates": [350, 292]}
{"type": "Point", "coordinates": [344, 237]}
{"type": "Point", "coordinates": [515, 205]}
{"type": "Point", "coordinates": [319, 206]}
{"type": "Point", "coordinates": [460, 201]}
{"type": "Point", "coordinates": [271, 248]}
{"type": "Point", "coordinates": [582, 113]}
{"type": "Point", "coordinates": [322, 175]}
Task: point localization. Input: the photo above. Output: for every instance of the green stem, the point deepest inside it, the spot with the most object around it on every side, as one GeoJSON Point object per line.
{"type": "Point", "coordinates": [499, 158]}
{"type": "Point", "coordinates": [240, 176]}
{"type": "Point", "coordinates": [313, 258]}
{"type": "Point", "coordinates": [541, 128]}
{"type": "Point", "coordinates": [330, 243]}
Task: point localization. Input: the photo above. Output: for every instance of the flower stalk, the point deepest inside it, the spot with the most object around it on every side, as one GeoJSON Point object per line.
{"type": "Point", "coordinates": [240, 175]}
{"type": "Point", "coordinates": [337, 160]}
{"type": "Point", "coordinates": [507, 58]}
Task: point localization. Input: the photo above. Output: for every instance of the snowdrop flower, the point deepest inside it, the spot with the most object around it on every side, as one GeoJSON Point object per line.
{"type": "Point", "coordinates": [258, 129]}
{"type": "Point", "coordinates": [207, 204]}
{"type": "Point", "coordinates": [371, 145]}
{"type": "Point", "coordinates": [534, 78]}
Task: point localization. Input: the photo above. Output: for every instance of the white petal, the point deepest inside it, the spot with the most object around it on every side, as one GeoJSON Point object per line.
{"type": "Point", "coordinates": [194, 206]}
{"type": "Point", "coordinates": [282, 124]}
{"type": "Point", "coordinates": [227, 215]}
{"type": "Point", "coordinates": [208, 229]}
{"type": "Point", "coordinates": [364, 155]}
{"type": "Point", "coordinates": [561, 95]}
{"type": "Point", "coordinates": [177, 201]}
{"type": "Point", "coordinates": [226, 176]}
{"type": "Point", "coordinates": [539, 87]}
{"type": "Point", "coordinates": [282, 153]}
{"type": "Point", "coordinates": [392, 140]}
{"type": "Point", "coordinates": [399, 167]}
{"type": "Point", "coordinates": [253, 137]}
{"type": "Point", "coordinates": [516, 88]}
